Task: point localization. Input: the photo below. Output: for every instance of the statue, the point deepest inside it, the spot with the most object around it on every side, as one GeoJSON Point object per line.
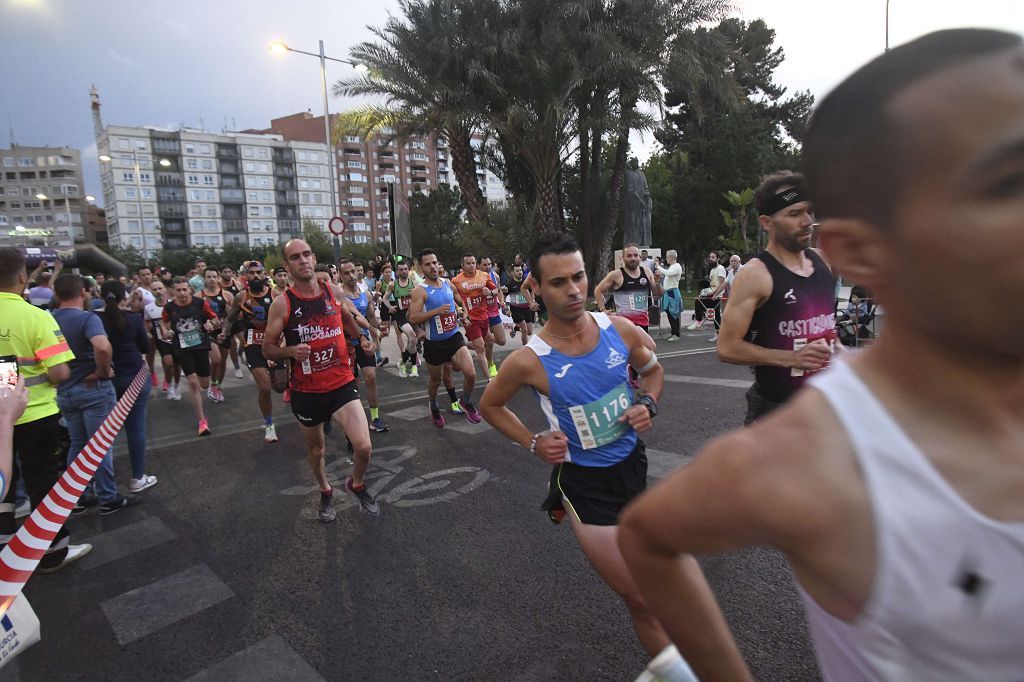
{"type": "Point", "coordinates": [636, 213]}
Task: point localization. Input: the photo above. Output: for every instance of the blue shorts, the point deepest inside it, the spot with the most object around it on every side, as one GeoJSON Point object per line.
{"type": "Point", "coordinates": [494, 320]}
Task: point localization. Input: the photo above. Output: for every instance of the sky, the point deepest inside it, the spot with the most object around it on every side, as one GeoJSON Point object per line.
{"type": "Point", "coordinates": [206, 64]}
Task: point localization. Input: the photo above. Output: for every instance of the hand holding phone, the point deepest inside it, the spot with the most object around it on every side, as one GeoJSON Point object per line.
{"type": "Point", "coordinates": [9, 371]}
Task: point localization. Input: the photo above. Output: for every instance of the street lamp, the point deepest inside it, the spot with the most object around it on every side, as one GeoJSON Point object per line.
{"type": "Point", "coordinates": [280, 47]}
{"type": "Point", "coordinates": [67, 209]}
{"type": "Point", "coordinates": [138, 190]}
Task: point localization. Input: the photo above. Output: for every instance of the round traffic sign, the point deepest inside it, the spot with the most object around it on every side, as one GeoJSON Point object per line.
{"type": "Point", "coordinates": [336, 225]}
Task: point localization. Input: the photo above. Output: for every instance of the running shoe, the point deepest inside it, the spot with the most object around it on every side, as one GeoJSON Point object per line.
{"type": "Point", "coordinates": [436, 417]}
{"type": "Point", "coordinates": [326, 513]}
{"type": "Point", "coordinates": [114, 506]}
{"type": "Point", "coordinates": [86, 502]}
{"type": "Point", "coordinates": [177, 392]}
{"type": "Point", "coordinates": [238, 373]}
{"type": "Point", "coordinates": [171, 391]}
{"type": "Point", "coordinates": [383, 361]}
{"type": "Point", "coordinates": [75, 552]}
{"type": "Point", "coordinates": [366, 501]}
{"type": "Point", "coordinates": [165, 386]}
{"type": "Point", "coordinates": [270, 434]}
{"type": "Point", "coordinates": [211, 394]}
{"type": "Point", "coordinates": [695, 325]}
{"type": "Point", "coordinates": [414, 372]}
{"type": "Point", "coordinates": [220, 395]}
{"type": "Point", "coordinates": [492, 370]}
{"type": "Point", "coordinates": [403, 370]}
{"type": "Point", "coordinates": [672, 337]}
{"type": "Point", "coordinates": [286, 396]}
{"type": "Point", "coordinates": [713, 339]}
{"type": "Point", "coordinates": [156, 382]}
{"type": "Point", "coordinates": [456, 409]}
{"type": "Point", "coordinates": [378, 425]}
{"type": "Point", "coordinates": [137, 485]}
{"type": "Point", "coordinates": [471, 413]}
{"type": "Point", "coordinates": [204, 428]}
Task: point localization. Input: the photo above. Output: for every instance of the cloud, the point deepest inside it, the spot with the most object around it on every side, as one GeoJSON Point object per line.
{"type": "Point", "coordinates": [178, 26]}
{"type": "Point", "coordinates": [124, 59]}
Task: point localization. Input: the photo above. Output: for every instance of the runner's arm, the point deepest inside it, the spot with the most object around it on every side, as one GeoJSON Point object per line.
{"type": "Point", "coordinates": [351, 320]}
{"type": "Point", "coordinates": [460, 305]}
{"type": "Point", "coordinates": [233, 313]}
{"type": "Point", "coordinates": [417, 301]}
{"type": "Point", "coordinates": [752, 286]}
{"type": "Point", "coordinates": [611, 282]}
{"type": "Point", "coordinates": [656, 288]}
{"type": "Point", "coordinates": [273, 350]}
{"type": "Point", "coordinates": [526, 289]}
{"type": "Point", "coordinates": [515, 372]}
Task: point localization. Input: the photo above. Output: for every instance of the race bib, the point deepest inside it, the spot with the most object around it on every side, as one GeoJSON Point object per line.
{"type": "Point", "coordinates": [254, 337]}
{"type": "Point", "coordinates": [597, 422]}
{"type": "Point", "coordinates": [638, 301]}
{"type": "Point", "coordinates": [518, 299]}
{"type": "Point", "coordinates": [189, 339]}
{"type": "Point", "coordinates": [446, 322]}
{"type": "Point", "coordinates": [829, 336]}
{"type": "Point", "coordinates": [320, 360]}
{"type": "Point", "coordinates": [471, 302]}
{"type": "Point", "coordinates": [404, 302]}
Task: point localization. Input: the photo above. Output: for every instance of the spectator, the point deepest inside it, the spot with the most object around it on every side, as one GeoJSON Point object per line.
{"type": "Point", "coordinates": [41, 292]}
{"type": "Point", "coordinates": [672, 300]}
{"type": "Point", "coordinates": [88, 395]}
{"type": "Point", "coordinates": [12, 405]}
{"type": "Point", "coordinates": [708, 304]}
{"type": "Point", "coordinates": [33, 337]}
{"type": "Point", "coordinates": [646, 260]}
{"type": "Point", "coordinates": [129, 341]}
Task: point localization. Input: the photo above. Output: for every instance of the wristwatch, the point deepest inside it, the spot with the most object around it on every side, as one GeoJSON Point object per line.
{"type": "Point", "coordinates": [648, 401]}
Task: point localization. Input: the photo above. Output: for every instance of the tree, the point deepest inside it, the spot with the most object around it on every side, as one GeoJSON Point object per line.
{"type": "Point", "coordinates": [739, 217]}
{"type": "Point", "coordinates": [319, 243]}
{"type": "Point", "coordinates": [436, 221]}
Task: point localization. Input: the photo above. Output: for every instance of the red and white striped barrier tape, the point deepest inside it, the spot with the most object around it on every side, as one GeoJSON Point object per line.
{"type": "Point", "coordinates": [22, 554]}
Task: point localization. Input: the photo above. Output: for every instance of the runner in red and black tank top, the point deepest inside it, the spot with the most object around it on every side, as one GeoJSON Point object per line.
{"type": "Point", "coordinates": [317, 322]}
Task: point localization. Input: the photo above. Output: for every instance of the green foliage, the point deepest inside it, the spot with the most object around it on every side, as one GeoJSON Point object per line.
{"type": "Point", "coordinates": [319, 241]}
{"type": "Point", "coordinates": [436, 222]}
{"type": "Point", "coordinates": [129, 256]}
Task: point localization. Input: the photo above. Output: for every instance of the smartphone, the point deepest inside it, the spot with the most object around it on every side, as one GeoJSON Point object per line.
{"type": "Point", "coordinates": [9, 371]}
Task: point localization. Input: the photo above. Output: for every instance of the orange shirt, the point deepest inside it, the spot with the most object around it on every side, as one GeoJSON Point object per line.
{"type": "Point", "coordinates": [475, 292]}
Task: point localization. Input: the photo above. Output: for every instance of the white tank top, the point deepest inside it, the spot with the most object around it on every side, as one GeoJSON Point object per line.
{"type": "Point", "coordinates": [948, 591]}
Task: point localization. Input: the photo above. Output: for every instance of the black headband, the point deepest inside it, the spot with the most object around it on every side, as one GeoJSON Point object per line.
{"type": "Point", "coordinates": [783, 199]}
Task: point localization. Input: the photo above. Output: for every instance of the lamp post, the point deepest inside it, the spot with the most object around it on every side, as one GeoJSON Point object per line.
{"type": "Point", "coordinates": [138, 195]}
{"type": "Point", "coordinates": [281, 47]}
{"type": "Point", "coordinates": [886, 25]}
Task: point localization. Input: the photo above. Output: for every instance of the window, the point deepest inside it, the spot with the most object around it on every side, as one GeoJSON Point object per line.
{"type": "Point", "coordinates": [247, 152]}
{"type": "Point", "coordinates": [356, 177]}
{"type": "Point", "coordinates": [25, 161]}
{"type": "Point", "coordinates": [129, 193]}
{"type": "Point", "coordinates": [140, 145]}
{"type": "Point", "coordinates": [267, 197]}
{"type": "Point", "coordinates": [264, 182]}
{"type": "Point", "coordinates": [352, 138]}
{"type": "Point", "coordinates": [8, 162]}
{"type": "Point", "coordinates": [250, 167]}
{"type": "Point", "coordinates": [303, 184]}
{"type": "Point", "coordinates": [3, 220]}
{"type": "Point", "coordinates": [253, 211]}
{"type": "Point", "coordinates": [207, 164]}
{"type": "Point", "coordinates": [195, 210]}
{"type": "Point", "coordinates": [190, 148]}
{"type": "Point", "coordinates": [147, 193]}
{"type": "Point", "coordinates": [207, 179]}
{"type": "Point", "coordinates": [192, 179]}
{"type": "Point", "coordinates": [354, 164]}
{"type": "Point", "coordinates": [419, 157]}
{"type": "Point", "coordinates": [262, 153]}
{"type": "Point", "coordinates": [128, 177]}
{"type": "Point", "coordinates": [124, 144]}
{"type": "Point", "coordinates": [211, 211]}
{"type": "Point", "coordinates": [211, 195]}
{"type": "Point", "coordinates": [204, 149]}
{"type": "Point", "coordinates": [252, 196]}
{"type": "Point", "coordinates": [302, 156]}
{"type": "Point", "coordinates": [304, 197]}
{"type": "Point", "coordinates": [144, 176]}
{"type": "Point", "coordinates": [263, 167]}
{"type": "Point", "coordinates": [195, 195]}
{"type": "Point", "coordinates": [191, 164]}
{"type": "Point", "coordinates": [268, 210]}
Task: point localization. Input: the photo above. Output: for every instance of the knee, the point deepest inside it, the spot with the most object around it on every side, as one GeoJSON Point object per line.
{"type": "Point", "coordinates": [316, 453]}
{"type": "Point", "coordinates": [361, 449]}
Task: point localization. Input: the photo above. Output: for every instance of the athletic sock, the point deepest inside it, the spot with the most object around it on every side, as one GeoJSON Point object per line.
{"type": "Point", "coordinates": [451, 393]}
{"type": "Point", "coordinates": [269, 421]}
{"type": "Point", "coordinates": [405, 357]}
{"type": "Point", "coordinates": [412, 358]}
{"type": "Point", "coordinates": [465, 398]}
{"type": "Point", "coordinates": [374, 412]}
{"type": "Point", "coordinates": [670, 666]}
{"type": "Point", "coordinates": [433, 404]}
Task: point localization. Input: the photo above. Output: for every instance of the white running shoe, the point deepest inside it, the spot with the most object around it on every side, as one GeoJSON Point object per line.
{"type": "Point", "coordinates": [270, 434]}
{"type": "Point", "coordinates": [414, 372]}
{"type": "Point", "coordinates": [403, 372]}
{"type": "Point", "coordinates": [695, 325]}
{"type": "Point", "coordinates": [75, 552]}
{"type": "Point", "coordinates": [137, 485]}
{"type": "Point", "coordinates": [211, 394]}
{"type": "Point", "coordinates": [177, 392]}
{"type": "Point", "coordinates": [238, 372]}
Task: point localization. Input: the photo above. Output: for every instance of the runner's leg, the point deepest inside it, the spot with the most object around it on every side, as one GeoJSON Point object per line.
{"type": "Point", "coordinates": [314, 439]}
{"type": "Point", "coordinates": [352, 420]}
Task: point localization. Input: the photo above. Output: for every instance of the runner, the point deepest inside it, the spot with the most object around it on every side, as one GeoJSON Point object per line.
{"type": "Point", "coordinates": [893, 482]}
{"type": "Point", "coordinates": [141, 297]}
{"type": "Point", "coordinates": [220, 302]}
{"type": "Point", "coordinates": [364, 363]}
{"type": "Point", "coordinates": [400, 291]}
{"type": "Point", "coordinates": [230, 283]}
{"type": "Point", "coordinates": [252, 305]}
{"type": "Point", "coordinates": [437, 304]}
{"type": "Point", "coordinates": [154, 313]}
{"type": "Point", "coordinates": [384, 304]}
{"type": "Point", "coordinates": [280, 281]}
{"type": "Point", "coordinates": [190, 319]}
{"type": "Point", "coordinates": [632, 286]}
{"type": "Point", "coordinates": [521, 303]}
{"type": "Point", "coordinates": [577, 367]}
{"type": "Point", "coordinates": [476, 288]}
{"type": "Point", "coordinates": [495, 306]}
{"type": "Point", "coordinates": [780, 317]}
{"type": "Point", "coordinates": [314, 318]}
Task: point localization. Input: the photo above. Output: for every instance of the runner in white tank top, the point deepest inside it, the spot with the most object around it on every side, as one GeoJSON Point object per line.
{"type": "Point", "coordinates": [894, 481]}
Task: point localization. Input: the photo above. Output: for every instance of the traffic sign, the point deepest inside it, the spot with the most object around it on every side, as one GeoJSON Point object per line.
{"type": "Point", "coordinates": [336, 225]}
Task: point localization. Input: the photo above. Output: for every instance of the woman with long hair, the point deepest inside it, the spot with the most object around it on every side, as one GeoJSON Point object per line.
{"type": "Point", "coordinates": [128, 338]}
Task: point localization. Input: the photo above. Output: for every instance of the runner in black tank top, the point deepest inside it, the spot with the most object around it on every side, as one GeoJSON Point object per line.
{"type": "Point", "coordinates": [781, 312]}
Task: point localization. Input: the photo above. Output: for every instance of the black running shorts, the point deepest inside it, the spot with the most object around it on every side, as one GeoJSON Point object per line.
{"type": "Point", "coordinates": [440, 352]}
{"type": "Point", "coordinates": [401, 318]}
{"type": "Point", "coordinates": [598, 494]}
{"type": "Point", "coordinates": [254, 357]}
{"type": "Point", "coordinates": [521, 315]}
{"type": "Point", "coordinates": [194, 361]}
{"type": "Point", "coordinates": [312, 409]}
{"type": "Point", "coordinates": [164, 348]}
{"type": "Point", "coordinates": [385, 314]}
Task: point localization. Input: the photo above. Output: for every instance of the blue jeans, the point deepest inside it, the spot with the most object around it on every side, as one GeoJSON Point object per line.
{"type": "Point", "coordinates": [135, 425]}
{"type": "Point", "coordinates": [84, 408]}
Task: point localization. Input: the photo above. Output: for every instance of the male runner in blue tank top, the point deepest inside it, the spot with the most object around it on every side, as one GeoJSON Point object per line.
{"type": "Point", "coordinates": [577, 367]}
{"type": "Point", "coordinates": [364, 363]}
{"type": "Point", "coordinates": [894, 482]}
{"type": "Point", "coordinates": [781, 312]}
{"type": "Point", "coordinates": [437, 305]}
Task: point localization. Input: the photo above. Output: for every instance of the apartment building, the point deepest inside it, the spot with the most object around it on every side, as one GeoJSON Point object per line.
{"type": "Point", "coordinates": [176, 189]}
{"type": "Point", "coordinates": [366, 166]}
{"type": "Point", "coordinates": [41, 196]}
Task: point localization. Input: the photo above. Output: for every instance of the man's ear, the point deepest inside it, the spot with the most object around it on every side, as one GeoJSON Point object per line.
{"type": "Point", "coordinates": [856, 249]}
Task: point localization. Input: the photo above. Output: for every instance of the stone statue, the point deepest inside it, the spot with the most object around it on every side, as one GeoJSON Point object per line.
{"type": "Point", "coordinates": [636, 210]}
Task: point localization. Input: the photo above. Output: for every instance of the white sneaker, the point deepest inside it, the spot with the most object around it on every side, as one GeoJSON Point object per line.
{"type": "Point", "coordinates": [270, 434]}
{"type": "Point", "coordinates": [75, 552]}
{"type": "Point", "coordinates": [403, 372]}
{"type": "Point", "coordinates": [238, 373]}
{"type": "Point", "coordinates": [177, 392]}
{"type": "Point", "coordinates": [713, 339]}
{"type": "Point", "coordinates": [695, 325]}
{"type": "Point", "coordinates": [23, 509]}
{"type": "Point", "coordinates": [211, 394]}
{"type": "Point", "coordinates": [137, 485]}
{"type": "Point", "coordinates": [414, 372]}
{"type": "Point", "coordinates": [169, 393]}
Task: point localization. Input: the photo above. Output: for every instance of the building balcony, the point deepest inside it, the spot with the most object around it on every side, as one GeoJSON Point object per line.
{"type": "Point", "coordinates": [284, 185]}
{"type": "Point", "coordinates": [232, 196]}
{"type": "Point", "coordinates": [165, 146]}
{"type": "Point", "coordinates": [235, 225]}
{"type": "Point", "coordinates": [168, 181]}
{"type": "Point", "coordinates": [282, 155]}
{"type": "Point", "coordinates": [173, 227]}
{"type": "Point", "coordinates": [171, 210]}
{"type": "Point", "coordinates": [230, 182]}
{"type": "Point", "coordinates": [227, 152]}
{"type": "Point", "coordinates": [229, 167]}
{"type": "Point", "coordinates": [283, 171]}
{"type": "Point", "coordinates": [168, 194]}
{"type": "Point", "coordinates": [293, 226]}
{"type": "Point", "coordinates": [287, 197]}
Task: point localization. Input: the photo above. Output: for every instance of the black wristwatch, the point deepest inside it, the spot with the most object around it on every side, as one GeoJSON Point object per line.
{"type": "Point", "coordinates": [648, 401]}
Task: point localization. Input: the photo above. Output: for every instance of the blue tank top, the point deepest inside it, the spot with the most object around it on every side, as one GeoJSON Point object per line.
{"type": "Point", "coordinates": [362, 304]}
{"type": "Point", "coordinates": [587, 395]}
{"type": "Point", "coordinates": [441, 327]}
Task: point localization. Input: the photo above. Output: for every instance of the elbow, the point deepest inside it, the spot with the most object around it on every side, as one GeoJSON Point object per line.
{"type": "Point", "coordinates": [726, 351]}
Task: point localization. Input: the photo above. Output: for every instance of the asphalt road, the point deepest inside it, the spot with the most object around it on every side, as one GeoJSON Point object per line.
{"type": "Point", "coordinates": [221, 572]}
